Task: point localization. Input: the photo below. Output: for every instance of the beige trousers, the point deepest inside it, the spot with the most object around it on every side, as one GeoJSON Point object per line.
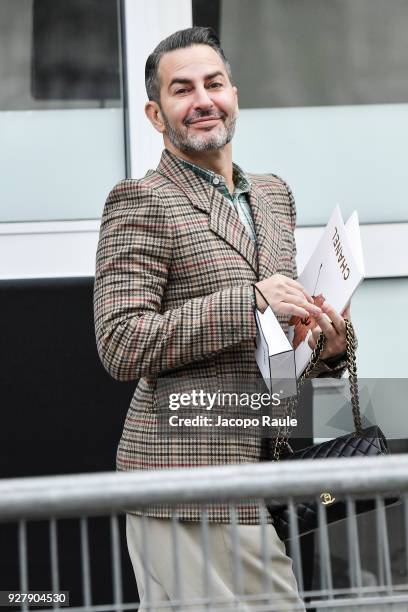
{"type": "Point", "coordinates": [240, 582]}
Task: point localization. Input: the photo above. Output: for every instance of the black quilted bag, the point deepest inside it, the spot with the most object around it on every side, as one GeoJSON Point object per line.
{"type": "Point", "coordinates": [363, 442]}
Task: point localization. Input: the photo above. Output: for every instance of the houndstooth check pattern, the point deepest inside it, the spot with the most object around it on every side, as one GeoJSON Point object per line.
{"type": "Point", "coordinates": [173, 297]}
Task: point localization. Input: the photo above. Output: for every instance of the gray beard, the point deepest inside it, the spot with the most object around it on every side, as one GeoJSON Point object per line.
{"type": "Point", "coordinates": [195, 143]}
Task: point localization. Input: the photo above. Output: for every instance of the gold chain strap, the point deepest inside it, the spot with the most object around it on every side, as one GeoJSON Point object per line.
{"type": "Point", "coordinates": [352, 370]}
{"type": "Point", "coordinates": [282, 441]}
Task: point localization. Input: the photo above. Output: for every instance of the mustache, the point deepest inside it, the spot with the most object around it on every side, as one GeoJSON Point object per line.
{"type": "Point", "coordinates": [203, 115]}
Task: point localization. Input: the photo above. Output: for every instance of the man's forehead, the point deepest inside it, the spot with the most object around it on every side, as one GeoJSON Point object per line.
{"type": "Point", "coordinates": [190, 62]}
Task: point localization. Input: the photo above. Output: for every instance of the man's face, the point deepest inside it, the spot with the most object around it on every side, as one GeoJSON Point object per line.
{"type": "Point", "coordinates": [198, 104]}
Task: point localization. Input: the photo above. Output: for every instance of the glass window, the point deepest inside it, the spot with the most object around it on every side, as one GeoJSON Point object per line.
{"type": "Point", "coordinates": [317, 53]}
{"type": "Point", "coordinates": [381, 350]}
{"type": "Point", "coordinates": [61, 108]}
{"type": "Point", "coordinates": [324, 84]}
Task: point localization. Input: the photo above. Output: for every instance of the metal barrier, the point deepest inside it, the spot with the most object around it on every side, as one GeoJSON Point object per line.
{"type": "Point", "coordinates": [381, 586]}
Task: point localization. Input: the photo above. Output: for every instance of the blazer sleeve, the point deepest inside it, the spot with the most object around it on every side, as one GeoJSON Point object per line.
{"type": "Point", "coordinates": [134, 338]}
{"type": "Point", "coordinates": [334, 367]}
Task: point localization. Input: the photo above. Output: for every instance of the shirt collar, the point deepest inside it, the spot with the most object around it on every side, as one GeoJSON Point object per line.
{"type": "Point", "coordinates": [241, 181]}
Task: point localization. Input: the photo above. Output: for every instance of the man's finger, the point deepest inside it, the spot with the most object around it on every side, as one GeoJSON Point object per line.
{"type": "Point", "coordinates": [312, 342]}
{"type": "Point", "coordinates": [293, 291]}
{"type": "Point", "coordinates": [299, 287]}
{"type": "Point", "coordinates": [300, 301]}
{"type": "Point", "coordinates": [335, 317]}
{"type": "Point", "coordinates": [346, 313]}
{"type": "Point", "coordinates": [326, 326]}
{"type": "Point", "coordinates": [291, 309]}
{"type": "Point", "coordinates": [316, 331]}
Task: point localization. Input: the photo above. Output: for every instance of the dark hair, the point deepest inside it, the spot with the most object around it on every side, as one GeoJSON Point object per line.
{"type": "Point", "coordinates": [179, 40]}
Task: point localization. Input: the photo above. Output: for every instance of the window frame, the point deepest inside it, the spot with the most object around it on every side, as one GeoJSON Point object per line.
{"type": "Point", "coordinates": [50, 249]}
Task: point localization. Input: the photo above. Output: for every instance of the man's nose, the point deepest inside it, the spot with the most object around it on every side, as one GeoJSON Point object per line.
{"type": "Point", "coordinates": [202, 99]}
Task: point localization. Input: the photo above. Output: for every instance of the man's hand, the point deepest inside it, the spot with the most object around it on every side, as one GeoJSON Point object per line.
{"type": "Point", "coordinates": [331, 323]}
{"type": "Point", "coordinates": [286, 297]}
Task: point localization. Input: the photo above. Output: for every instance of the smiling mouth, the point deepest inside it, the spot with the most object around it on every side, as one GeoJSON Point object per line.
{"type": "Point", "coordinates": [203, 120]}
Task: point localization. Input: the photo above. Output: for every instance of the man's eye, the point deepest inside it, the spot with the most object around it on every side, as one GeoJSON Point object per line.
{"type": "Point", "coordinates": [181, 91]}
{"type": "Point", "coordinates": [214, 85]}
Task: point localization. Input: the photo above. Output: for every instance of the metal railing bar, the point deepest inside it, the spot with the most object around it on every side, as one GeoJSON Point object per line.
{"type": "Point", "coordinates": [218, 604]}
{"type": "Point", "coordinates": [54, 557]}
{"type": "Point", "coordinates": [146, 564]}
{"type": "Point", "coordinates": [380, 553]}
{"type": "Point", "coordinates": [116, 563]}
{"type": "Point", "coordinates": [193, 607]}
{"type": "Point", "coordinates": [345, 591]}
{"type": "Point", "coordinates": [385, 548]}
{"type": "Point", "coordinates": [237, 576]}
{"type": "Point", "coordinates": [295, 545]}
{"type": "Point", "coordinates": [343, 602]}
{"type": "Point", "coordinates": [265, 553]}
{"type": "Point", "coordinates": [196, 606]}
{"type": "Point", "coordinates": [85, 562]}
{"type": "Point", "coordinates": [326, 580]}
{"type": "Point", "coordinates": [23, 560]}
{"type": "Point", "coordinates": [366, 602]}
{"type": "Point", "coordinates": [109, 492]}
{"type": "Point", "coordinates": [176, 561]}
{"type": "Point", "coordinates": [205, 543]}
{"type": "Point", "coordinates": [353, 545]}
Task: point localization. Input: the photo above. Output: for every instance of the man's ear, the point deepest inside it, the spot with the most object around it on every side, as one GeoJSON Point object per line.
{"type": "Point", "coordinates": [235, 90]}
{"type": "Point", "coordinates": [153, 113]}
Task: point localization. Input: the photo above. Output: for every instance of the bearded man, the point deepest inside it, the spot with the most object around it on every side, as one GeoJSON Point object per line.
{"type": "Point", "coordinates": [179, 253]}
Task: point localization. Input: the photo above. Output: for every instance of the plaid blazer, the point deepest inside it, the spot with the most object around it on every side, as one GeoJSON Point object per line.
{"type": "Point", "coordinates": [173, 298]}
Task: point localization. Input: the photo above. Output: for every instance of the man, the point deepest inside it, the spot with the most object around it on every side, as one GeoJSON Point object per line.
{"type": "Point", "coordinates": [178, 255]}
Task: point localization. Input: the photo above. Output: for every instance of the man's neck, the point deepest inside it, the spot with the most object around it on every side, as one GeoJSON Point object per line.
{"type": "Point", "coordinates": [218, 161]}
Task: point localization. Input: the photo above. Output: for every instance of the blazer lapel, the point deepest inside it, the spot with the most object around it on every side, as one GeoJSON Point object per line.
{"type": "Point", "coordinates": [225, 222]}
{"type": "Point", "coordinates": [268, 232]}
{"type": "Point", "coordinates": [223, 218]}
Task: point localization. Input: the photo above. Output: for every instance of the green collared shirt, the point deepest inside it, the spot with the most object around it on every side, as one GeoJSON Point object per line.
{"type": "Point", "coordinates": [239, 199]}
